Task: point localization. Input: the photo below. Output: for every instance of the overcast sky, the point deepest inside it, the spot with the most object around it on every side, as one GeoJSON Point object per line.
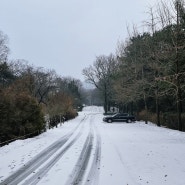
{"type": "Point", "coordinates": [67, 35]}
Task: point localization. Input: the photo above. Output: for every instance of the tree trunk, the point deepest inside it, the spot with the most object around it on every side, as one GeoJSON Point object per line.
{"type": "Point", "coordinates": [157, 107]}
{"type": "Point", "coordinates": [178, 85]}
{"type": "Point", "coordinates": [146, 109]}
{"type": "Point", "coordinates": [179, 109]}
{"type": "Point", "coordinates": [105, 99]}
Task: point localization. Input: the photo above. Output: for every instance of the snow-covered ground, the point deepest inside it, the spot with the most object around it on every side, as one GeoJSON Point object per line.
{"type": "Point", "coordinates": [126, 154]}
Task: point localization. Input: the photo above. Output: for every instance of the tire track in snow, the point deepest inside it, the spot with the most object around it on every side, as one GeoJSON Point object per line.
{"type": "Point", "coordinates": [39, 159]}
{"type": "Point", "coordinates": [79, 170]}
{"type": "Point", "coordinates": [38, 176]}
{"type": "Point", "coordinates": [93, 175]}
{"type": "Point", "coordinates": [78, 173]}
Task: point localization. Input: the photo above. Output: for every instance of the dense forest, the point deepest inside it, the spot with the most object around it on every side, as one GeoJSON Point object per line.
{"type": "Point", "coordinates": [33, 99]}
{"type": "Point", "coordinates": [146, 76]}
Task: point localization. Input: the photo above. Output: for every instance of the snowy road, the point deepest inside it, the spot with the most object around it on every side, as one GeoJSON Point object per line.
{"type": "Point", "coordinates": [38, 160]}
{"type": "Point", "coordinates": [86, 151]}
{"type": "Point", "coordinates": [85, 136]}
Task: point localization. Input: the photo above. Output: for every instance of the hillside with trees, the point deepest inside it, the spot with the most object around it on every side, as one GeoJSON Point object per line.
{"type": "Point", "coordinates": [146, 75]}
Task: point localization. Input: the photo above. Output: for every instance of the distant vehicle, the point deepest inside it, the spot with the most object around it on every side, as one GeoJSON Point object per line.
{"type": "Point", "coordinates": [119, 117]}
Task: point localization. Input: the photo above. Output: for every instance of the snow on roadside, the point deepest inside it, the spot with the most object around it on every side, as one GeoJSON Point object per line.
{"type": "Point", "coordinates": [17, 153]}
{"type": "Point", "coordinates": [138, 154]}
{"type": "Point", "coordinates": [131, 154]}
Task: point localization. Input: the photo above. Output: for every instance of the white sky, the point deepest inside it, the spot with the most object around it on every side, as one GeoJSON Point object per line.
{"type": "Point", "coordinates": [67, 35]}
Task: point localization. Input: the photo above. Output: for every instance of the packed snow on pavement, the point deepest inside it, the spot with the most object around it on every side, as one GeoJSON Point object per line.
{"type": "Point", "coordinates": [126, 153]}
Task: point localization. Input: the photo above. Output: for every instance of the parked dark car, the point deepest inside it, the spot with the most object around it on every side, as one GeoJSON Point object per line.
{"type": "Point", "coordinates": [119, 117]}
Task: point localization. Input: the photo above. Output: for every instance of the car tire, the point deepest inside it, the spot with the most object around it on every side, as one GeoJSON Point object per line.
{"type": "Point", "coordinates": [109, 121]}
{"type": "Point", "coordinates": [129, 121]}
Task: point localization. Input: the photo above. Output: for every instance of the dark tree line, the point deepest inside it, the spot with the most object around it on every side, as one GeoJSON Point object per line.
{"type": "Point", "coordinates": [146, 75]}
{"type": "Point", "coordinates": [33, 98]}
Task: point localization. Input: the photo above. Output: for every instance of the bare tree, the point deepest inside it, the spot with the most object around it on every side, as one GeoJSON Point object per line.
{"type": "Point", "coordinates": [6, 74]}
{"type": "Point", "coordinates": [100, 75]}
{"type": "Point", "coordinates": [4, 50]}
